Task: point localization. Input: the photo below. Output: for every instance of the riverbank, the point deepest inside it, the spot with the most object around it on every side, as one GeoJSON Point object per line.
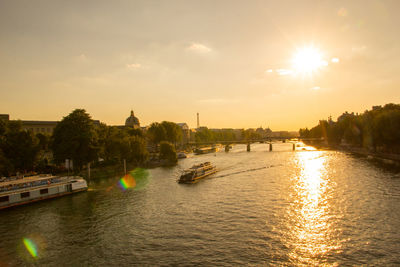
{"type": "Point", "coordinates": [384, 158]}
{"type": "Point", "coordinates": [381, 157]}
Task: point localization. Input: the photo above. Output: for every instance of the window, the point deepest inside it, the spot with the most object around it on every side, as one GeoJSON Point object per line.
{"type": "Point", "coordinates": [25, 194]}
{"type": "Point", "coordinates": [4, 199]}
{"type": "Point", "coordinates": [44, 191]}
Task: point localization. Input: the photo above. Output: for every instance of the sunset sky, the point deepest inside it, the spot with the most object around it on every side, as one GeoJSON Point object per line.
{"type": "Point", "coordinates": [240, 64]}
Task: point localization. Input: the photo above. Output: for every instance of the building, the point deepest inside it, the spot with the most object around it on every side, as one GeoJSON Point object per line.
{"type": "Point", "coordinates": [43, 127]}
{"type": "Point", "coordinates": [185, 132]}
{"type": "Point", "coordinates": [5, 117]}
{"type": "Point", "coordinates": [132, 121]}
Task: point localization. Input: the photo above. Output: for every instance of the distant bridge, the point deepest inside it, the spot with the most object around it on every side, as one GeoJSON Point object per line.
{"type": "Point", "coordinates": [268, 140]}
{"type": "Point", "coordinates": [263, 140]}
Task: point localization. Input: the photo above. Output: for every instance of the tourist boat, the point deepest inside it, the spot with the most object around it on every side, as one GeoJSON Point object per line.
{"type": "Point", "coordinates": [14, 191]}
{"type": "Point", "coordinates": [205, 150]}
{"type": "Point", "coordinates": [197, 172]}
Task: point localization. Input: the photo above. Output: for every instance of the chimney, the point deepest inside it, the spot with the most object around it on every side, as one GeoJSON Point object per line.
{"type": "Point", "coordinates": [198, 120]}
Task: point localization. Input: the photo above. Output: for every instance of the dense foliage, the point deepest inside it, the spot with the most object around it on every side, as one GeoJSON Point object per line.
{"type": "Point", "coordinates": [377, 129]}
{"type": "Point", "coordinates": [164, 131]}
{"type": "Point", "coordinates": [18, 149]}
{"type": "Point", "coordinates": [204, 134]}
{"type": "Point", "coordinates": [74, 138]}
{"type": "Point", "coordinates": [167, 152]}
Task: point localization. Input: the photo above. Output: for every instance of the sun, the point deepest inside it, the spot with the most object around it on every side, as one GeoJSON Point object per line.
{"type": "Point", "coordinates": [308, 60]}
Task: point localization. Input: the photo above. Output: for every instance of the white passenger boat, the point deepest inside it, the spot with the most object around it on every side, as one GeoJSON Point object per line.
{"type": "Point", "coordinates": [15, 191]}
{"type": "Point", "coordinates": [197, 172]}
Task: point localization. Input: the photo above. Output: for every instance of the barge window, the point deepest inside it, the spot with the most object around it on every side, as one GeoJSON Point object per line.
{"type": "Point", "coordinates": [25, 194]}
{"type": "Point", "coordinates": [44, 191]}
{"type": "Point", "coordinates": [4, 199]}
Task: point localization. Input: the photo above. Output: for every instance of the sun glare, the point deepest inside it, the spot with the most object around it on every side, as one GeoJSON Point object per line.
{"type": "Point", "coordinates": [308, 60]}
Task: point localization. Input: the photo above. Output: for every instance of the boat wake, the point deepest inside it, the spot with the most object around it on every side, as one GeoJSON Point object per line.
{"type": "Point", "coordinates": [248, 170]}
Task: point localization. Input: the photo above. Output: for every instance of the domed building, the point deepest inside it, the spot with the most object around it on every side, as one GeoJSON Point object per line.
{"type": "Point", "coordinates": [132, 121]}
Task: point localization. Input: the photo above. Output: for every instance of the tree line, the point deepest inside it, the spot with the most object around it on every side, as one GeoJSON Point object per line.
{"type": "Point", "coordinates": [204, 134]}
{"type": "Point", "coordinates": [377, 129]}
{"type": "Point", "coordinates": [77, 138]}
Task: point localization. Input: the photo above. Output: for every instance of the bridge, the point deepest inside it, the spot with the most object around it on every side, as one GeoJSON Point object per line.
{"type": "Point", "coordinates": [268, 140]}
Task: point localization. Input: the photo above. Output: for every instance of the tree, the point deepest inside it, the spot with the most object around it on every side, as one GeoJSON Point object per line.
{"type": "Point", "coordinates": [157, 133]}
{"type": "Point", "coordinates": [74, 138]}
{"type": "Point", "coordinates": [203, 134]}
{"type": "Point", "coordinates": [118, 144]}
{"type": "Point", "coordinates": [138, 149]}
{"type": "Point", "coordinates": [167, 152]}
{"type": "Point", "coordinates": [19, 148]}
{"type": "Point", "coordinates": [173, 132]}
{"type": "Point", "coordinates": [43, 141]}
{"type": "Point", "coordinates": [5, 165]}
{"type": "Point", "coordinates": [387, 129]}
{"type": "Point", "coordinates": [251, 134]}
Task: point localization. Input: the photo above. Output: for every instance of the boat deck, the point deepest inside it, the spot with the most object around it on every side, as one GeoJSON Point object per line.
{"type": "Point", "coordinates": [32, 179]}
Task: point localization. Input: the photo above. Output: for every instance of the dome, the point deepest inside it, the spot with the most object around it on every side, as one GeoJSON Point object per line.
{"type": "Point", "coordinates": [132, 121]}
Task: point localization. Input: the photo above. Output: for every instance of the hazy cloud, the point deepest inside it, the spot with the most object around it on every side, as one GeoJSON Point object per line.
{"type": "Point", "coordinates": [133, 66]}
{"type": "Point", "coordinates": [199, 48]}
{"type": "Point", "coordinates": [283, 72]}
{"type": "Point", "coordinates": [82, 58]}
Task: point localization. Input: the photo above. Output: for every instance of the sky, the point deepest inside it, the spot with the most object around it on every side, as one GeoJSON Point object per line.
{"type": "Point", "coordinates": [240, 64]}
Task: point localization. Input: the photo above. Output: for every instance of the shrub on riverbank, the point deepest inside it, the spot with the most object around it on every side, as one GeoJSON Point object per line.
{"type": "Point", "coordinates": [168, 153]}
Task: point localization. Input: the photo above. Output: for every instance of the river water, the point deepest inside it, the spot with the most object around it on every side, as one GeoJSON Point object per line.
{"type": "Point", "coordinates": [261, 208]}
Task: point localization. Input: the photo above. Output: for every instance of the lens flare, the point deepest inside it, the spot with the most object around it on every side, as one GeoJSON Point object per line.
{"type": "Point", "coordinates": [31, 247]}
{"type": "Point", "coordinates": [136, 179]}
{"type": "Point", "coordinates": [141, 177]}
{"type": "Point", "coordinates": [127, 182]}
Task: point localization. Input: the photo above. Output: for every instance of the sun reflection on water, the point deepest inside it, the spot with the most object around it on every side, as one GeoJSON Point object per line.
{"type": "Point", "coordinates": [311, 232]}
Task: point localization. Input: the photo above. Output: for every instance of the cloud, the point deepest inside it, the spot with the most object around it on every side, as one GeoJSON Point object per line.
{"type": "Point", "coordinates": [283, 72]}
{"type": "Point", "coordinates": [335, 60]}
{"type": "Point", "coordinates": [134, 66]}
{"type": "Point", "coordinates": [199, 48]}
{"type": "Point", "coordinates": [315, 88]}
{"type": "Point", "coordinates": [82, 58]}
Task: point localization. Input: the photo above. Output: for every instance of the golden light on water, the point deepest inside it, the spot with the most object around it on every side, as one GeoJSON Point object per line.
{"type": "Point", "coordinates": [310, 227]}
{"type": "Point", "coordinates": [308, 60]}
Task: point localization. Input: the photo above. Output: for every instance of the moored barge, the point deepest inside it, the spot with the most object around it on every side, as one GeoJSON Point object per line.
{"type": "Point", "coordinates": [205, 150]}
{"type": "Point", "coordinates": [15, 191]}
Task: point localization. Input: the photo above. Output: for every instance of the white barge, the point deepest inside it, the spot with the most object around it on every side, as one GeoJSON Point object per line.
{"type": "Point", "coordinates": [15, 191]}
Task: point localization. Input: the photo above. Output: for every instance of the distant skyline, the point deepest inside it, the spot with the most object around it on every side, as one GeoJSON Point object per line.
{"type": "Point", "coordinates": [282, 64]}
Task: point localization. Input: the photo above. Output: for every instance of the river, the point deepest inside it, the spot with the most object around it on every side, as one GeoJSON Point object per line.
{"type": "Point", "coordinates": [262, 208]}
